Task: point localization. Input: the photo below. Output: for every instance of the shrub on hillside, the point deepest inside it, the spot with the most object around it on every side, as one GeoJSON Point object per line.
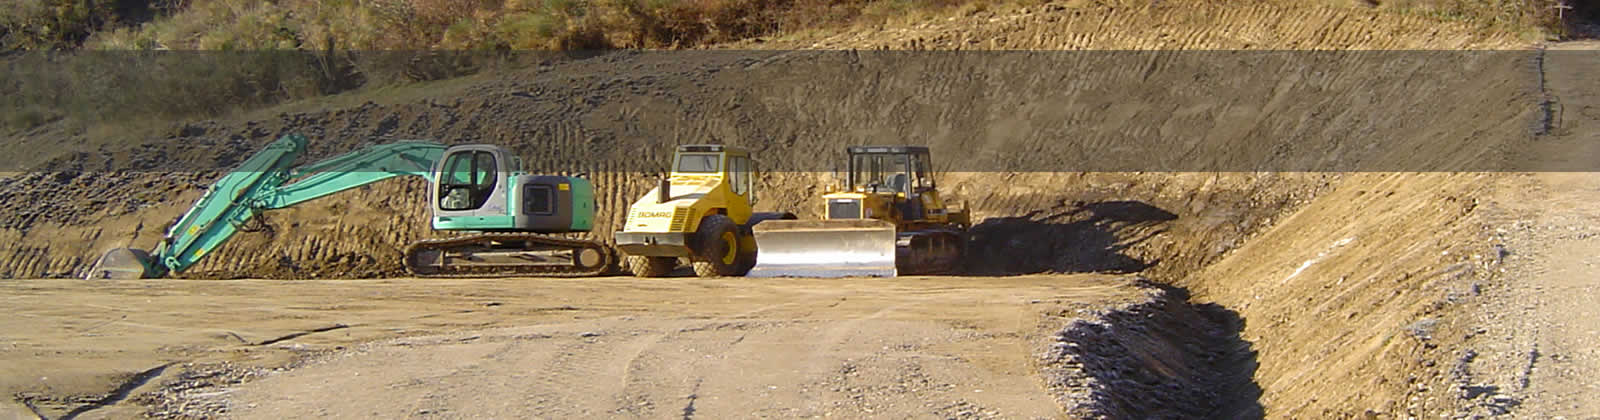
{"type": "Point", "coordinates": [51, 24]}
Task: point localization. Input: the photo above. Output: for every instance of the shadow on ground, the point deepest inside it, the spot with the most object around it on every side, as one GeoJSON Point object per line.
{"type": "Point", "coordinates": [1167, 358]}
{"type": "Point", "coordinates": [1084, 237]}
{"type": "Point", "coordinates": [1075, 238]}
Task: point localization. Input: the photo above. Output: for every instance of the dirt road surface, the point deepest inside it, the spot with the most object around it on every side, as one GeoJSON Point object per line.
{"type": "Point", "coordinates": [1540, 346]}
{"type": "Point", "coordinates": [545, 348]}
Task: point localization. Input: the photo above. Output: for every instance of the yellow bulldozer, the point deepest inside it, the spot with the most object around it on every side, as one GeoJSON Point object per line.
{"type": "Point", "coordinates": [888, 219]}
{"type": "Point", "coordinates": [702, 211]}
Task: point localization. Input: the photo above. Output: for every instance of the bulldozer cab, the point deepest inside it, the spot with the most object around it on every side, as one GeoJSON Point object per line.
{"type": "Point", "coordinates": [900, 170]}
{"type": "Point", "coordinates": [901, 176]}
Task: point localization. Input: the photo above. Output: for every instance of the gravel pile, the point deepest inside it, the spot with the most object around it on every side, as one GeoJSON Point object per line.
{"type": "Point", "coordinates": [199, 392]}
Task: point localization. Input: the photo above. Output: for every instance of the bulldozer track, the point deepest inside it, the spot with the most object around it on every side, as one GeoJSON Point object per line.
{"type": "Point", "coordinates": [606, 261]}
{"type": "Point", "coordinates": [907, 265]}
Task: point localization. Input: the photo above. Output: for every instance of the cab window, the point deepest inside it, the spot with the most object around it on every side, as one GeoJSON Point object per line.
{"type": "Point", "coordinates": [698, 163]}
{"type": "Point", "coordinates": [467, 181]}
{"type": "Point", "coordinates": [886, 171]}
{"type": "Point", "coordinates": [921, 174]}
{"type": "Point", "coordinates": [739, 171]}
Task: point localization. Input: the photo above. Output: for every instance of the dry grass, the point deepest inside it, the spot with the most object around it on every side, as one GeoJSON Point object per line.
{"type": "Point", "coordinates": [99, 87]}
{"type": "Point", "coordinates": [233, 25]}
{"type": "Point", "coordinates": [470, 24]}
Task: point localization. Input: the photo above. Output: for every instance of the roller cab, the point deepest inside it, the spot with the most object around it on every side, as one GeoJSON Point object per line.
{"type": "Point", "coordinates": [701, 211]}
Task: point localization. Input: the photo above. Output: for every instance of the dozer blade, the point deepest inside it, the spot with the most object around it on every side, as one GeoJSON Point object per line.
{"type": "Point", "coordinates": [121, 264]}
{"type": "Point", "coordinates": [824, 248]}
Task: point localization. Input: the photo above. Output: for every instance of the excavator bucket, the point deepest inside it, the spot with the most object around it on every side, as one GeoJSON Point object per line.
{"type": "Point", "coordinates": [824, 248]}
{"type": "Point", "coordinates": [121, 264]}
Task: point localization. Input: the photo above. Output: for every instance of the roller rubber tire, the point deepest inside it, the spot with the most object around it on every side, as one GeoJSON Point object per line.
{"type": "Point", "coordinates": [711, 239]}
{"type": "Point", "coordinates": [747, 260]}
{"type": "Point", "coordinates": [643, 266]}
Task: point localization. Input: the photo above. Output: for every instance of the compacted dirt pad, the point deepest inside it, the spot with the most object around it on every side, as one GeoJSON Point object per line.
{"type": "Point", "coordinates": [547, 348]}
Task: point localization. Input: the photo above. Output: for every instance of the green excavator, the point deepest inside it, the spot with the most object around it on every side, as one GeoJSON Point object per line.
{"type": "Point", "coordinates": [512, 218]}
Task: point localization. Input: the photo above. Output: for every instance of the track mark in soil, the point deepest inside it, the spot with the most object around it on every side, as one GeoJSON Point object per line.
{"type": "Point", "coordinates": [102, 324]}
{"type": "Point", "coordinates": [694, 393]}
{"type": "Point", "coordinates": [117, 395]}
{"type": "Point", "coordinates": [302, 334]}
{"type": "Point", "coordinates": [560, 391]}
{"type": "Point", "coordinates": [35, 409]}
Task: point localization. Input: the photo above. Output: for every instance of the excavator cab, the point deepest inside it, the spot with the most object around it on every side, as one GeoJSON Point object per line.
{"type": "Point", "coordinates": [481, 187]}
{"type": "Point", "coordinates": [468, 179]}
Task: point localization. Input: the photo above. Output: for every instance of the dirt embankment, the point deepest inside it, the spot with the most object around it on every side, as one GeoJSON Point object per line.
{"type": "Point", "coordinates": [1339, 295]}
{"type": "Point", "coordinates": [1167, 25]}
{"type": "Point", "coordinates": [996, 120]}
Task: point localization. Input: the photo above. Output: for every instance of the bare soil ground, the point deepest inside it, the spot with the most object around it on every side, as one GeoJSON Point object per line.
{"type": "Point", "coordinates": [1534, 353]}
{"type": "Point", "coordinates": [946, 347]}
{"type": "Point", "coordinates": [1075, 25]}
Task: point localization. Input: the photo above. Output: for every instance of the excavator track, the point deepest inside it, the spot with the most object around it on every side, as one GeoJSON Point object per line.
{"type": "Point", "coordinates": [488, 255]}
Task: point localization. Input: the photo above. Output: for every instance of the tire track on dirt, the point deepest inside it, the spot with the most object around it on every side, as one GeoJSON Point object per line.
{"type": "Point", "coordinates": [663, 357]}
{"type": "Point", "coordinates": [666, 376]}
{"type": "Point", "coordinates": [565, 389]}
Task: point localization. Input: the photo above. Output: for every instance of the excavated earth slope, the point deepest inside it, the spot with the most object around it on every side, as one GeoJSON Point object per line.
{"type": "Point", "coordinates": [1008, 125]}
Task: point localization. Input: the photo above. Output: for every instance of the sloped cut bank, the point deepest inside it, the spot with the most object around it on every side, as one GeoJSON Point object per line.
{"type": "Point", "coordinates": [1163, 357]}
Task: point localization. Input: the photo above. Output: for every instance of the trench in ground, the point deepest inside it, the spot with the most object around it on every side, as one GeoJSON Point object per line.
{"type": "Point", "coordinates": [1168, 356]}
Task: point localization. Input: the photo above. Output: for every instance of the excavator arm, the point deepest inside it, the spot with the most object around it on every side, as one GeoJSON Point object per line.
{"type": "Point", "coordinates": [266, 181]}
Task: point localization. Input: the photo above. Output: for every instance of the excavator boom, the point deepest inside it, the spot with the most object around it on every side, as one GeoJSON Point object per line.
{"type": "Point", "coordinates": [264, 182]}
